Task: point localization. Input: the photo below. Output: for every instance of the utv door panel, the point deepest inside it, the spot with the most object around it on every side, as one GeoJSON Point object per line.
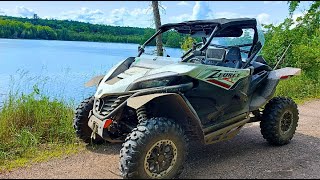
{"type": "Point", "coordinates": [221, 94]}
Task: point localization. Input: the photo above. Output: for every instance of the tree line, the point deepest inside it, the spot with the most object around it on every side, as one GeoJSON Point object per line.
{"type": "Point", "coordinates": [68, 30]}
{"type": "Point", "coordinates": [304, 34]}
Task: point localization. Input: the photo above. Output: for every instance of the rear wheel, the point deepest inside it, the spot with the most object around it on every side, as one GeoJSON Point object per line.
{"type": "Point", "coordinates": [279, 120]}
{"type": "Point", "coordinates": [80, 122]}
{"type": "Point", "coordinates": [157, 148]}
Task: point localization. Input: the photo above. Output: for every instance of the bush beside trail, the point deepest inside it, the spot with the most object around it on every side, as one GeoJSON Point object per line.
{"type": "Point", "coordinates": [304, 35]}
{"type": "Point", "coordinates": [33, 122]}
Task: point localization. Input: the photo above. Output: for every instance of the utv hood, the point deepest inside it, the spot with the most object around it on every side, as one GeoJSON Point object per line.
{"type": "Point", "coordinates": [142, 67]}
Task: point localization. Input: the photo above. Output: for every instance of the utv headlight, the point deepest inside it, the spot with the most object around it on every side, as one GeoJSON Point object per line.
{"type": "Point", "coordinates": [154, 83]}
{"type": "Point", "coordinates": [156, 80]}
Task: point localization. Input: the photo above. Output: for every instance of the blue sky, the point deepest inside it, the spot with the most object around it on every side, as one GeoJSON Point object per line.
{"type": "Point", "coordinates": [139, 13]}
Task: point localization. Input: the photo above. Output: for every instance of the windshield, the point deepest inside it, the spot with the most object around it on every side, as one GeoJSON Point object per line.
{"type": "Point", "coordinates": [245, 39]}
{"type": "Point", "coordinates": [171, 45]}
{"type": "Point", "coordinates": [260, 35]}
{"type": "Point", "coordinates": [244, 42]}
{"type": "Point", "coordinates": [173, 41]}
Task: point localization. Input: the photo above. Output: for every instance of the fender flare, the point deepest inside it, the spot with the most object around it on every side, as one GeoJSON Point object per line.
{"type": "Point", "coordinates": [174, 106]}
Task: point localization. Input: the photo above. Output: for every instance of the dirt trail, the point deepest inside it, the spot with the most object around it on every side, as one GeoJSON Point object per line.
{"type": "Point", "coordinates": [246, 156]}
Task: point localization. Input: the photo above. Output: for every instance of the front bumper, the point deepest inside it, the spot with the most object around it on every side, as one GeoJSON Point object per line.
{"type": "Point", "coordinates": [107, 107]}
{"type": "Point", "coordinates": [96, 124]}
{"type": "Point", "coordinates": [103, 109]}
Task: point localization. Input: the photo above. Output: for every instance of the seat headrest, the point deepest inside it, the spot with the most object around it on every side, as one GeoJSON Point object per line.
{"type": "Point", "coordinates": [233, 54]}
{"type": "Point", "coordinates": [215, 54]}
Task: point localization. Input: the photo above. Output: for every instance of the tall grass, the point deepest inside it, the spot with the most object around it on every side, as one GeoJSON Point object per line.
{"type": "Point", "coordinates": [30, 121]}
{"type": "Point", "coordinates": [299, 88]}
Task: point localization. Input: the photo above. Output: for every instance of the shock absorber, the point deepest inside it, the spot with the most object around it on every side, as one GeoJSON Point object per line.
{"type": "Point", "coordinates": [141, 113]}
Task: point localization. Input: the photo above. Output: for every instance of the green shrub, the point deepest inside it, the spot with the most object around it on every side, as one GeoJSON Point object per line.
{"type": "Point", "coordinates": [27, 121]}
{"type": "Point", "coordinates": [300, 88]}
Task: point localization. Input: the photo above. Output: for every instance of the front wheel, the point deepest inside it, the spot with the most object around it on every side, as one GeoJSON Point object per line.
{"type": "Point", "coordinates": [157, 148]}
{"type": "Point", "coordinates": [279, 120]}
{"type": "Point", "coordinates": [80, 122]}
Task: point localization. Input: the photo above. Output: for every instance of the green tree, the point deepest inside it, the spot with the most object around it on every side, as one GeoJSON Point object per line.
{"type": "Point", "coordinates": [187, 43]}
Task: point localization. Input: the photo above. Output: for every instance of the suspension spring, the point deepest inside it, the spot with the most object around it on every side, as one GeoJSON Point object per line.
{"type": "Point", "coordinates": [141, 113]}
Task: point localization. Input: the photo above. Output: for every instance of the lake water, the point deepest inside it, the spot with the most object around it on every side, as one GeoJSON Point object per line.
{"type": "Point", "coordinates": [59, 68]}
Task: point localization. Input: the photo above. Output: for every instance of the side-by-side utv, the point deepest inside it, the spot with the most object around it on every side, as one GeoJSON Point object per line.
{"type": "Point", "coordinates": [155, 105]}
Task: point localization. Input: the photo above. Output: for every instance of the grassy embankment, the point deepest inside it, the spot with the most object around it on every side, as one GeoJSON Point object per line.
{"type": "Point", "coordinates": [34, 128]}
{"type": "Point", "coordinates": [299, 88]}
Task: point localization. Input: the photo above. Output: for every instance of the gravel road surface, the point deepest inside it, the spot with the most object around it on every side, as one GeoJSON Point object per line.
{"type": "Point", "coordinates": [246, 156]}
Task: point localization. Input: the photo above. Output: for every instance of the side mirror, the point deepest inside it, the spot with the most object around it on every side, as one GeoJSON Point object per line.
{"type": "Point", "coordinates": [140, 50]}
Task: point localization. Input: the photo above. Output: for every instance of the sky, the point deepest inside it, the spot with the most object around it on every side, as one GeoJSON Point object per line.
{"type": "Point", "coordinates": [139, 13]}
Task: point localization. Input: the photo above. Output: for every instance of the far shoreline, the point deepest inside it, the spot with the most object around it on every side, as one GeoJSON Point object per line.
{"type": "Point", "coordinates": [69, 40]}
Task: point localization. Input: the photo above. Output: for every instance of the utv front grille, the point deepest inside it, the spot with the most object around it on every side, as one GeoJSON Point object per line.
{"type": "Point", "coordinates": [106, 105]}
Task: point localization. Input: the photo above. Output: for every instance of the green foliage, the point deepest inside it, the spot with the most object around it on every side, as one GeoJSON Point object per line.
{"type": "Point", "coordinates": [172, 39]}
{"type": "Point", "coordinates": [304, 52]}
{"type": "Point", "coordinates": [29, 121]}
{"type": "Point", "coordinates": [300, 88]}
{"type": "Point", "coordinates": [293, 6]}
{"type": "Point", "coordinates": [187, 43]}
{"type": "Point", "coordinates": [305, 37]}
{"type": "Point", "coordinates": [24, 28]}
{"type": "Point", "coordinates": [246, 38]}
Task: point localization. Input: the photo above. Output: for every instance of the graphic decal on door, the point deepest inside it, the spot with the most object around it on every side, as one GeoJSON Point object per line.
{"type": "Point", "coordinates": [223, 77]}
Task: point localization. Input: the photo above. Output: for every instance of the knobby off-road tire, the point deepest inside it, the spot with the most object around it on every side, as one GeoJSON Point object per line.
{"type": "Point", "coordinates": [144, 144]}
{"type": "Point", "coordinates": [80, 122]}
{"type": "Point", "coordinates": [279, 120]}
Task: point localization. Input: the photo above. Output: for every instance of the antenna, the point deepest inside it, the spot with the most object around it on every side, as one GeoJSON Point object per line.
{"type": "Point", "coordinates": [281, 57]}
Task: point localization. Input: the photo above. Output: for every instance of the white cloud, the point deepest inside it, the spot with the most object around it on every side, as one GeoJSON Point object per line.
{"type": "Point", "coordinates": [263, 18]}
{"type": "Point", "coordinates": [180, 18]}
{"type": "Point", "coordinates": [201, 10]}
{"type": "Point", "coordinates": [296, 15]}
{"type": "Point", "coordinates": [7, 12]}
{"type": "Point", "coordinates": [183, 3]}
{"type": "Point", "coordinates": [228, 15]}
{"type": "Point", "coordinates": [137, 17]}
{"type": "Point", "coordinates": [23, 11]}
{"type": "Point", "coordinates": [294, 18]}
{"type": "Point", "coordinates": [2, 12]}
{"type": "Point", "coordinates": [19, 11]}
{"type": "Point", "coordinates": [83, 15]}
{"type": "Point", "coordinates": [273, 2]}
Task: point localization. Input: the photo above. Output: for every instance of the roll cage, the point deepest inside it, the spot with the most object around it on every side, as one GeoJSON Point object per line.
{"type": "Point", "coordinates": [208, 29]}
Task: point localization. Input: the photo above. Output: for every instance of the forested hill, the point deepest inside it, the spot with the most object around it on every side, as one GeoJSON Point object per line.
{"type": "Point", "coordinates": [26, 28]}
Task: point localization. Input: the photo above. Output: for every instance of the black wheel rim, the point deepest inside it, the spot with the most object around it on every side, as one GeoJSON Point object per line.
{"type": "Point", "coordinates": [286, 122]}
{"type": "Point", "coordinates": [160, 159]}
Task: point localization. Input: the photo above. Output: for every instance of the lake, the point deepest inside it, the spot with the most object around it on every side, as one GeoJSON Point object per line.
{"type": "Point", "coordinates": [59, 68]}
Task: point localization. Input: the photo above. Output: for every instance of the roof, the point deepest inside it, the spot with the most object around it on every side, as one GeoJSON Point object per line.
{"type": "Point", "coordinates": [223, 22]}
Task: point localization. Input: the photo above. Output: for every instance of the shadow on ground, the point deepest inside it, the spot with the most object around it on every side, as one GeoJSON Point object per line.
{"type": "Point", "coordinates": [248, 155]}
{"type": "Point", "coordinates": [106, 148]}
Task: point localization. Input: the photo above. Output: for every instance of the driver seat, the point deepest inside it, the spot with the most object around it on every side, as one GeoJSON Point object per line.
{"type": "Point", "coordinates": [233, 58]}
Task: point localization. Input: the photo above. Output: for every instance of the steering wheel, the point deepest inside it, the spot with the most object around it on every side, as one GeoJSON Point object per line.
{"type": "Point", "coordinates": [196, 60]}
